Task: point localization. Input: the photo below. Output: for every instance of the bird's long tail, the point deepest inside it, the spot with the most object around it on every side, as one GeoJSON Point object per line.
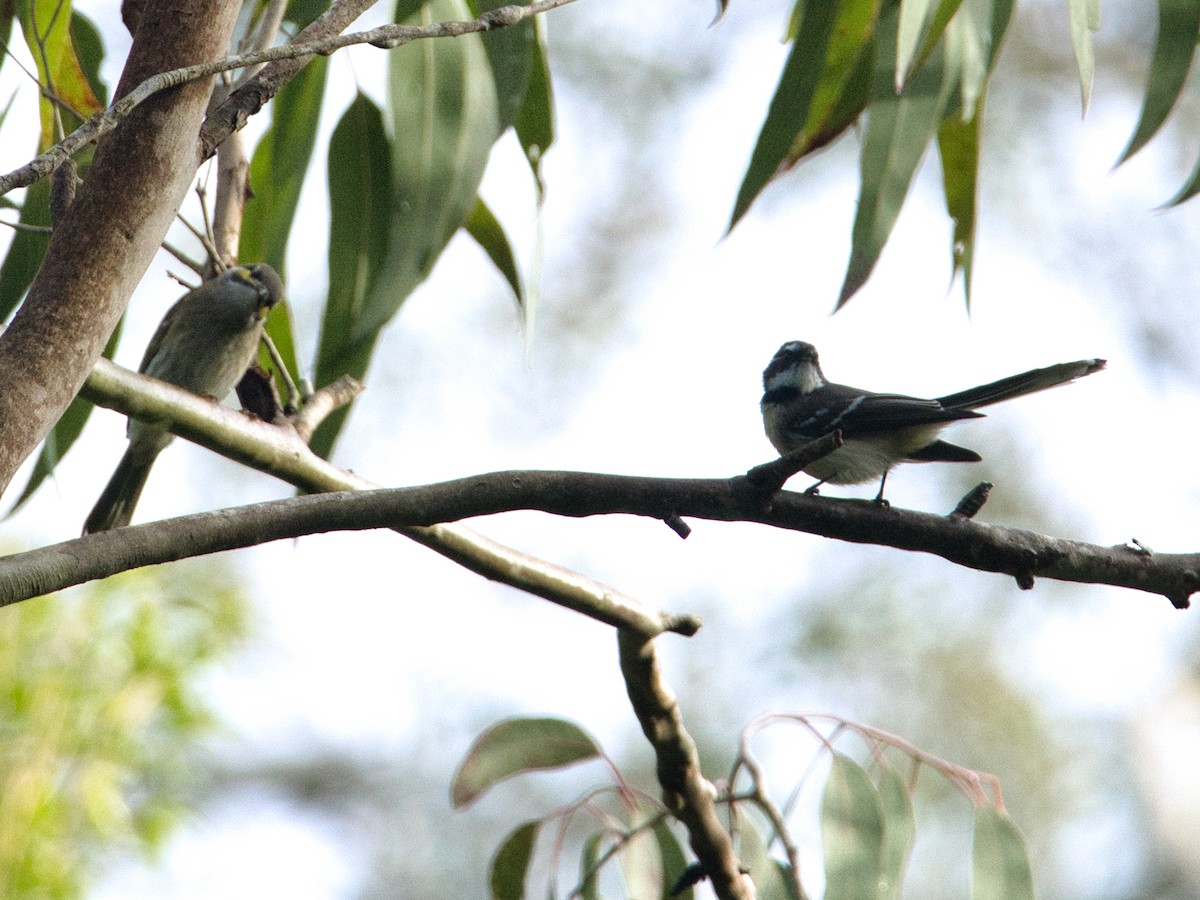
{"type": "Point", "coordinates": [1019, 385]}
{"type": "Point", "coordinates": [115, 507]}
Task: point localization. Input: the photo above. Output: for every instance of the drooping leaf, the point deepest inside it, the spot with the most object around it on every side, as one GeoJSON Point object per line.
{"type": "Point", "coordinates": [8, 12]}
{"type": "Point", "coordinates": [918, 36]}
{"type": "Point", "coordinates": [999, 861]}
{"type": "Point", "coordinates": [276, 177]}
{"type": "Point", "coordinates": [915, 18]}
{"type": "Point", "coordinates": [511, 862]}
{"type": "Point", "coordinates": [62, 436]}
{"type": "Point", "coordinates": [46, 25]}
{"type": "Point", "coordinates": [827, 127]}
{"type": "Point", "coordinates": [27, 248]}
{"type": "Point", "coordinates": [1178, 28]}
{"type": "Point", "coordinates": [770, 881]}
{"type": "Point", "coordinates": [958, 146]}
{"type": "Point", "coordinates": [511, 53]}
{"type": "Point", "coordinates": [972, 41]}
{"type": "Point", "coordinates": [514, 746]}
{"type": "Point", "coordinates": [899, 831]}
{"type": "Point", "coordinates": [1084, 19]}
{"type": "Point", "coordinates": [534, 123]}
{"type": "Point", "coordinates": [641, 867]}
{"type": "Point", "coordinates": [899, 129]}
{"type": "Point", "coordinates": [1190, 188]}
{"type": "Point", "coordinates": [673, 860]}
{"type": "Point", "coordinates": [487, 231]}
{"type": "Point", "coordinates": [302, 12]}
{"type": "Point", "coordinates": [89, 48]}
{"type": "Point", "coordinates": [589, 878]}
{"type": "Point", "coordinates": [852, 832]}
{"type": "Point", "coordinates": [278, 167]}
{"type": "Point", "coordinates": [789, 107]}
{"type": "Point", "coordinates": [359, 227]}
{"type": "Point", "coordinates": [844, 86]}
{"type": "Point", "coordinates": [443, 117]}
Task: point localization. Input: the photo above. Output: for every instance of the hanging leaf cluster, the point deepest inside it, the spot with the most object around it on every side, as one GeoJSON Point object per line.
{"type": "Point", "coordinates": [914, 74]}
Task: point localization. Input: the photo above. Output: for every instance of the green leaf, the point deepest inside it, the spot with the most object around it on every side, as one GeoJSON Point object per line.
{"type": "Point", "coordinates": [958, 146]}
{"type": "Point", "coordinates": [641, 867]}
{"type": "Point", "coordinates": [89, 48]}
{"type": "Point", "coordinates": [1190, 188]}
{"type": "Point", "coordinates": [511, 51]}
{"type": "Point", "coordinates": [302, 13]}
{"type": "Point", "coordinates": [768, 874]}
{"type": "Point", "coordinates": [915, 18]}
{"type": "Point", "coordinates": [844, 86]}
{"type": "Point", "coordinates": [359, 228]}
{"type": "Point", "coordinates": [790, 106]}
{"type": "Point", "coordinates": [487, 231]}
{"type": "Point", "coordinates": [443, 114]}
{"type": "Point", "coordinates": [27, 248]}
{"type": "Point", "coordinates": [62, 436]}
{"type": "Point", "coordinates": [999, 861]}
{"type": "Point", "coordinates": [8, 12]}
{"type": "Point", "coordinates": [1084, 19]}
{"type": "Point", "coordinates": [1178, 28]}
{"type": "Point", "coordinates": [972, 42]}
{"type": "Point", "coordinates": [589, 878]}
{"type": "Point", "coordinates": [279, 165]}
{"type": "Point", "coordinates": [514, 746]}
{"type": "Point", "coordinates": [444, 119]}
{"type": "Point", "coordinates": [673, 860]}
{"type": "Point", "coordinates": [899, 831]}
{"type": "Point", "coordinates": [535, 119]}
{"type": "Point", "coordinates": [511, 862]}
{"type": "Point", "coordinates": [899, 128]}
{"type": "Point", "coordinates": [46, 25]}
{"type": "Point", "coordinates": [852, 833]}
{"type": "Point", "coordinates": [276, 178]}
{"type": "Point", "coordinates": [918, 36]}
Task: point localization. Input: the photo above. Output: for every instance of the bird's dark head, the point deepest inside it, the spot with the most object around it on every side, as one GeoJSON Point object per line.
{"type": "Point", "coordinates": [267, 284]}
{"type": "Point", "coordinates": [794, 365]}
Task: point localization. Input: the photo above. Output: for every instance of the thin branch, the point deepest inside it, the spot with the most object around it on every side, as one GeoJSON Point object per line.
{"type": "Point", "coordinates": [687, 794]}
{"type": "Point", "coordinates": [1021, 554]}
{"type": "Point", "coordinates": [386, 37]}
{"type": "Point", "coordinates": [281, 452]}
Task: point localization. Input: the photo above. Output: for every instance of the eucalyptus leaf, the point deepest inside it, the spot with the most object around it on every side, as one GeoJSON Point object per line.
{"type": "Point", "coordinates": [359, 174]}
{"type": "Point", "coordinates": [899, 129]}
{"type": "Point", "coordinates": [514, 746]}
{"type": "Point", "coordinates": [999, 860]}
{"type": "Point", "coordinates": [1178, 29]}
{"type": "Point", "coordinates": [852, 832]}
{"type": "Point", "coordinates": [276, 178]}
{"type": "Point", "coordinates": [789, 107]}
{"type": "Point", "coordinates": [511, 862]}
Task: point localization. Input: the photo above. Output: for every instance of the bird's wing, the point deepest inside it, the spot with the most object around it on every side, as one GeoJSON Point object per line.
{"type": "Point", "coordinates": [859, 413]}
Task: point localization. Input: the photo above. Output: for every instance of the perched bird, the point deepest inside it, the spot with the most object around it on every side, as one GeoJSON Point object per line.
{"type": "Point", "coordinates": [204, 344]}
{"type": "Point", "coordinates": [879, 430]}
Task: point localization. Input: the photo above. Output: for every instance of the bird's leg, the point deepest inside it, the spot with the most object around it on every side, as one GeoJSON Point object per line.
{"type": "Point", "coordinates": [882, 482]}
{"type": "Point", "coordinates": [812, 491]}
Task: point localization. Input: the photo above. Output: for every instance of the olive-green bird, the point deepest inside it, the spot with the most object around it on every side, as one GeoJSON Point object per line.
{"type": "Point", "coordinates": [204, 344]}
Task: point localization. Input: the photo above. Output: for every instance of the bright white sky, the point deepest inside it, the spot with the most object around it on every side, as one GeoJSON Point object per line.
{"type": "Point", "coordinates": [670, 387]}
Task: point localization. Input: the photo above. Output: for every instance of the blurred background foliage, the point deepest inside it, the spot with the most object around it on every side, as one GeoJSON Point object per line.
{"type": "Point", "coordinates": [103, 712]}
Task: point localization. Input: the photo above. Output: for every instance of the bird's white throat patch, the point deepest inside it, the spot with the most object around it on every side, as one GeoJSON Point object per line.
{"type": "Point", "coordinates": [804, 377]}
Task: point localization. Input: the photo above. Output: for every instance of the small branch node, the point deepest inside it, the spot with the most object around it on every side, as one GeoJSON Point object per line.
{"type": "Point", "coordinates": [972, 501]}
{"type": "Point", "coordinates": [321, 404]}
{"type": "Point", "coordinates": [677, 525]}
{"type": "Point", "coordinates": [769, 478]}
